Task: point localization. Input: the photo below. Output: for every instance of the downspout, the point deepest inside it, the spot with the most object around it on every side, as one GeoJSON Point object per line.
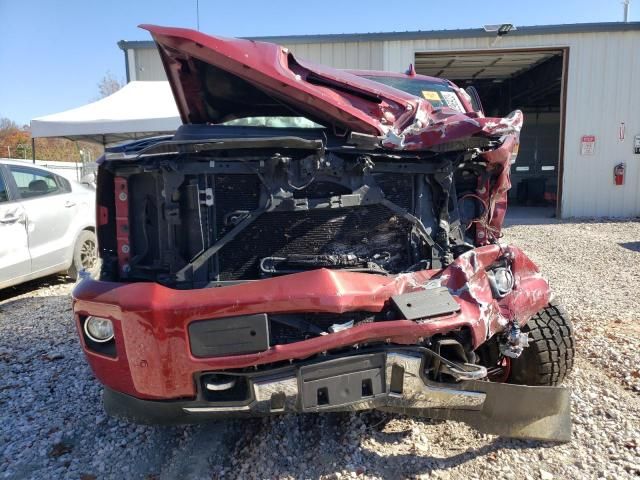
{"type": "Point", "coordinates": [123, 47]}
{"type": "Point", "coordinates": [126, 65]}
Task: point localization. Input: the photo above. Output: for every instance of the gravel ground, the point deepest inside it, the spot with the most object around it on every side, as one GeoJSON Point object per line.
{"type": "Point", "coordinates": [52, 424]}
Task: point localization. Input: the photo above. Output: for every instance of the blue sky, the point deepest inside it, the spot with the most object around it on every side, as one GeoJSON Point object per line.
{"type": "Point", "coordinates": [53, 53]}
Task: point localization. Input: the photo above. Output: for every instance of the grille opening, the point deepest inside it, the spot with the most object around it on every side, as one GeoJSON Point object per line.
{"type": "Point", "coordinates": [397, 379]}
{"type": "Point", "coordinates": [362, 231]}
{"type": "Point", "coordinates": [367, 388]}
{"type": "Point", "coordinates": [209, 205]}
{"type": "Point", "coordinates": [282, 332]}
{"type": "Point", "coordinates": [322, 396]}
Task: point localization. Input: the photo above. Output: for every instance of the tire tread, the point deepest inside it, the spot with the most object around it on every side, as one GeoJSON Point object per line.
{"type": "Point", "coordinates": [549, 358]}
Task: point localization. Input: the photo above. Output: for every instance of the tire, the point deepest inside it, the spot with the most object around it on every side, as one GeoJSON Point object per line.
{"type": "Point", "coordinates": [549, 357]}
{"type": "Point", "coordinates": [84, 254]}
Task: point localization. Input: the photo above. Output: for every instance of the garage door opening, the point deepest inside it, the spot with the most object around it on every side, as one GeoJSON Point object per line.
{"type": "Point", "coordinates": [530, 80]}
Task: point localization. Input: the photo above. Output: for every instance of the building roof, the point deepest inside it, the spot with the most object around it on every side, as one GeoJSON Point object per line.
{"type": "Point", "coordinates": [424, 34]}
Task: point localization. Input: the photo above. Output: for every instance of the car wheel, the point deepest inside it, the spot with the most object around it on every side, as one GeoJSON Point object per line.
{"type": "Point", "coordinates": [549, 357]}
{"type": "Point", "coordinates": [85, 255]}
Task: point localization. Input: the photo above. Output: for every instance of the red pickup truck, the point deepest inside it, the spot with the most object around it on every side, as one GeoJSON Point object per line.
{"type": "Point", "coordinates": [314, 239]}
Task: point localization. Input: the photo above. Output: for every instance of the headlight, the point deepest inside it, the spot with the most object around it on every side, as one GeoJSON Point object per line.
{"type": "Point", "coordinates": [501, 280]}
{"type": "Point", "coordinates": [98, 329]}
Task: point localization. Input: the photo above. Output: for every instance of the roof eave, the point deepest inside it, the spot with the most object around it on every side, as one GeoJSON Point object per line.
{"type": "Point", "coordinates": [424, 34]}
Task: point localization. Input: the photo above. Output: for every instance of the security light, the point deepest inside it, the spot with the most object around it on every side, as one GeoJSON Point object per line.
{"type": "Point", "coordinates": [500, 29]}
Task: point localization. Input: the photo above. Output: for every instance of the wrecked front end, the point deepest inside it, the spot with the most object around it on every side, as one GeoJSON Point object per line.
{"type": "Point", "coordinates": [251, 270]}
{"type": "Point", "coordinates": [322, 340]}
{"type": "Point", "coordinates": [245, 278]}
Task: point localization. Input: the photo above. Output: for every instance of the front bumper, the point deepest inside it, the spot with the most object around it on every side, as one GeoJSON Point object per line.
{"type": "Point", "coordinates": [394, 382]}
{"type": "Point", "coordinates": [154, 356]}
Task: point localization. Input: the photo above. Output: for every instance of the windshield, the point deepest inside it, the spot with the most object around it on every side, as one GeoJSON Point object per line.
{"type": "Point", "coordinates": [438, 94]}
{"type": "Point", "coordinates": [274, 122]}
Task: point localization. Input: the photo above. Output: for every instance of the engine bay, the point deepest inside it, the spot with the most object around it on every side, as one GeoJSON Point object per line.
{"type": "Point", "coordinates": [203, 214]}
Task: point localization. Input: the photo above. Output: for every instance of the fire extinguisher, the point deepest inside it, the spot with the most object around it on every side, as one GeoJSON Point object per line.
{"type": "Point", "coordinates": [618, 174]}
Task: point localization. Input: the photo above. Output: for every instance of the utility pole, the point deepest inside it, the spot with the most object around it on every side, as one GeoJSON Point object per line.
{"type": "Point", "coordinates": [198, 15]}
{"type": "Point", "coordinates": [625, 4]}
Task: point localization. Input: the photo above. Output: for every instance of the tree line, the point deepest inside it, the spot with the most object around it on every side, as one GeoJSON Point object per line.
{"type": "Point", "coordinates": [15, 140]}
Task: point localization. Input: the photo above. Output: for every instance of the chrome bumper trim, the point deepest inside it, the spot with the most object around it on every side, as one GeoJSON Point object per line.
{"type": "Point", "coordinates": [417, 393]}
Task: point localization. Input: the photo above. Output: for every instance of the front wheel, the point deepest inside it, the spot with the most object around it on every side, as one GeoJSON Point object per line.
{"type": "Point", "coordinates": [85, 255]}
{"type": "Point", "coordinates": [549, 357]}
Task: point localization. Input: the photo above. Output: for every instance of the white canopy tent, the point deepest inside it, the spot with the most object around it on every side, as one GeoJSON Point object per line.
{"type": "Point", "coordinates": [139, 109]}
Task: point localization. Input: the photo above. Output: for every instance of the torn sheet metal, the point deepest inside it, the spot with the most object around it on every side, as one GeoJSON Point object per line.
{"type": "Point", "coordinates": [334, 98]}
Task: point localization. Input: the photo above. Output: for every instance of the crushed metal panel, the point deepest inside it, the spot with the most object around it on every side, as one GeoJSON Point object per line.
{"type": "Point", "coordinates": [425, 303]}
{"type": "Point", "coordinates": [515, 411]}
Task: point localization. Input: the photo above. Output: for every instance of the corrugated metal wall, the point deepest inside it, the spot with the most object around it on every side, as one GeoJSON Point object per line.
{"type": "Point", "coordinates": [148, 65]}
{"type": "Point", "coordinates": [601, 94]}
{"type": "Point", "coordinates": [355, 55]}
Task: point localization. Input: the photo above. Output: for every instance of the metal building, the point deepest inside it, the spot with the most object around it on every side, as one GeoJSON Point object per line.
{"type": "Point", "coordinates": [577, 84]}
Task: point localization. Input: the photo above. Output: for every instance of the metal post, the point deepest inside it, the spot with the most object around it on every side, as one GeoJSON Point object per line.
{"type": "Point", "coordinates": [198, 14]}
{"type": "Point", "coordinates": [625, 3]}
{"type": "Point", "coordinates": [33, 149]}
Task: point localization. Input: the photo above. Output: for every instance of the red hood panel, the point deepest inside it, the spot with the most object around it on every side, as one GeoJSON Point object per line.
{"type": "Point", "coordinates": [216, 79]}
{"type": "Point", "coordinates": [329, 96]}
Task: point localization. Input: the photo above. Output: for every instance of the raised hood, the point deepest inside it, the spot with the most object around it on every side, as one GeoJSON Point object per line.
{"type": "Point", "coordinates": [217, 79]}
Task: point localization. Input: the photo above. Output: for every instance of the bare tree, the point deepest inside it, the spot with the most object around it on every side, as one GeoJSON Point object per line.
{"type": "Point", "coordinates": [109, 85]}
{"type": "Point", "coordinates": [7, 124]}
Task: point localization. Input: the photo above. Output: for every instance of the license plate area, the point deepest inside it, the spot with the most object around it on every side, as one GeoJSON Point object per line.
{"type": "Point", "coordinates": [342, 381]}
{"type": "Point", "coordinates": [229, 336]}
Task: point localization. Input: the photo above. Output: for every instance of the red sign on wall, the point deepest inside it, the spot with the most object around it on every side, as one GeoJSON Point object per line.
{"type": "Point", "coordinates": [588, 145]}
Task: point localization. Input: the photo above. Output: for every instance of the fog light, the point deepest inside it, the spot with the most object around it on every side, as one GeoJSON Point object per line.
{"type": "Point", "coordinates": [98, 329]}
{"type": "Point", "coordinates": [501, 280]}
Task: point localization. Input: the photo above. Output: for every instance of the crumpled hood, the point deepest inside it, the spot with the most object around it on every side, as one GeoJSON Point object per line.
{"type": "Point", "coordinates": [216, 79]}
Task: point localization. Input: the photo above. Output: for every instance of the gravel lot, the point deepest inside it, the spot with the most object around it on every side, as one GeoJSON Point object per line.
{"type": "Point", "coordinates": [52, 424]}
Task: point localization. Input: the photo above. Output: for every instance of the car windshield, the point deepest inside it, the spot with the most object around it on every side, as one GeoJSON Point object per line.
{"type": "Point", "coordinates": [274, 122]}
{"type": "Point", "coordinates": [438, 94]}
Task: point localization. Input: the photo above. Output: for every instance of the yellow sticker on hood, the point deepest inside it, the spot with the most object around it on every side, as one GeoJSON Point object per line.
{"type": "Point", "coordinates": [431, 95]}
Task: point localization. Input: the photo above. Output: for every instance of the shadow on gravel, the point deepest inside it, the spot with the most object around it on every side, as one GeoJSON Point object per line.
{"type": "Point", "coordinates": [417, 463]}
{"type": "Point", "coordinates": [420, 461]}
{"type": "Point", "coordinates": [325, 445]}
{"type": "Point", "coordinates": [33, 285]}
{"type": "Point", "coordinates": [633, 246]}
